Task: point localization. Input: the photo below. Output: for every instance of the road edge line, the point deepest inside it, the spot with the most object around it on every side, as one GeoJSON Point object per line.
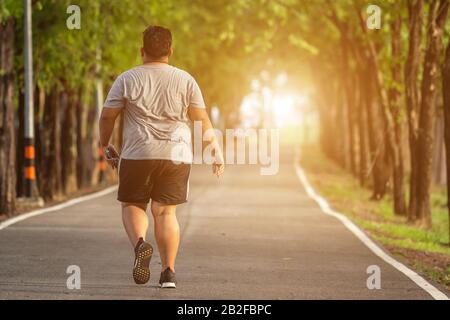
{"type": "Point", "coordinates": [56, 207]}
{"type": "Point", "coordinates": [325, 207]}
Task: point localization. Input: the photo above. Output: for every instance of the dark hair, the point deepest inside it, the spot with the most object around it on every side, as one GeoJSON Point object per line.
{"type": "Point", "coordinates": [157, 41]}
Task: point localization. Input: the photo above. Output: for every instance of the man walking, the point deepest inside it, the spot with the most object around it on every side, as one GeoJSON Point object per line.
{"type": "Point", "coordinates": [157, 101]}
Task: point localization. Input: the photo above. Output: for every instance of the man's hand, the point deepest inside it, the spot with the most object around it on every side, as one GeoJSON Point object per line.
{"type": "Point", "coordinates": [218, 169]}
{"type": "Point", "coordinates": [111, 156]}
{"type": "Point", "coordinates": [218, 166]}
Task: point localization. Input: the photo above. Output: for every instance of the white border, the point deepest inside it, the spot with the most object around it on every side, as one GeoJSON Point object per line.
{"type": "Point", "coordinates": [323, 204]}
{"type": "Point", "coordinates": [60, 206]}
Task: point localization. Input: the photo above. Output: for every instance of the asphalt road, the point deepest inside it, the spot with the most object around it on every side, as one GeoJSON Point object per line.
{"type": "Point", "coordinates": [244, 236]}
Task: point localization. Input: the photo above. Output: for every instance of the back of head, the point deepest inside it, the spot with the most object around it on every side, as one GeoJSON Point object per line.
{"type": "Point", "coordinates": [157, 42]}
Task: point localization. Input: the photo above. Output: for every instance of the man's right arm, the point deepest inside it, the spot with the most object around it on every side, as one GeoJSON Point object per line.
{"type": "Point", "coordinates": [106, 124]}
{"type": "Point", "coordinates": [114, 104]}
{"type": "Point", "coordinates": [200, 114]}
{"type": "Point", "coordinates": [106, 127]}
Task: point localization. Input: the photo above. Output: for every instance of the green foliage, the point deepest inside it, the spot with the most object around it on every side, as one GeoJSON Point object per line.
{"type": "Point", "coordinates": [223, 43]}
{"type": "Point", "coordinates": [10, 8]}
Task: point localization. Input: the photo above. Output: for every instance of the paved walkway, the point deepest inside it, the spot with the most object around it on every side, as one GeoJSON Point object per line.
{"type": "Point", "coordinates": [243, 236]}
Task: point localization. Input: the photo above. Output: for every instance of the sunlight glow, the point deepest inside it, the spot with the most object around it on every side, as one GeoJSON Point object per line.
{"type": "Point", "coordinates": [285, 109]}
{"type": "Point", "coordinates": [272, 103]}
{"type": "Point", "coordinates": [249, 113]}
{"type": "Point", "coordinates": [277, 110]}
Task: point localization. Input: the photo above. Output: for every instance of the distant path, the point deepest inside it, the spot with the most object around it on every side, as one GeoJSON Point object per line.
{"type": "Point", "coordinates": [244, 236]}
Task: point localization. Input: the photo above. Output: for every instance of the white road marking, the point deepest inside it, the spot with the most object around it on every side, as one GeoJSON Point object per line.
{"type": "Point", "coordinates": [323, 204]}
{"type": "Point", "coordinates": [60, 206]}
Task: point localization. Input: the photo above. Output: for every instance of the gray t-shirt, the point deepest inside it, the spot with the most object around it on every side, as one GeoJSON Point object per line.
{"type": "Point", "coordinates": [155, 98]}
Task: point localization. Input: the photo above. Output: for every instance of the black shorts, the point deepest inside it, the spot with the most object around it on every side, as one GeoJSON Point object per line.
{"type": "Point", "coordinates": [159, 180]}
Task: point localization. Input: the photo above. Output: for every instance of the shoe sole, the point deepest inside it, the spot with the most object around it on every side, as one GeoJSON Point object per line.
{"type": "Point", "coordinates": [141, 270]}
{"type": "Point", "coordinates": [168, 285]}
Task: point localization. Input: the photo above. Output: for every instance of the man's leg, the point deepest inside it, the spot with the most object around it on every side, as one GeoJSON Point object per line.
{"type": "Point", "coordinates": [135, 221]}
{"type": "Point", "coordinates": [167, 233]}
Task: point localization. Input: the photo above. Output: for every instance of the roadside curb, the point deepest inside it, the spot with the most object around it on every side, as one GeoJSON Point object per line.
{"type": "Point", "coordinates": [6, 223]}
{"type": "Point", "coordinates": [325, 207]}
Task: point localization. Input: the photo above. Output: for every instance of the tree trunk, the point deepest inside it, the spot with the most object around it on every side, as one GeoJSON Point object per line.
{"type": "Point", "coordinates": [68, 143]}
{"type": "Point", "coordinates": [446, 92]}
{"type": "Point", "coordinates": [20, 146]}
{"type": "Point", "coordinates": [326, 103]}
{"type": "Point", "coordinates": [436, 21]}
{"type": "Point", "coordinates": [346, 78]}
{"type": "Point", "coordinates": [38, 116]}
{"type": "Point", "coordinates": [377, 167]}
{"type": "Point", "coordinates": [83, 150]}
{"type": "Point", "coordinates": [415, 10]}
{"type": "Point", "coordinates": [341, 155]}
{"type": "Point", "coordinates": [7, 132]}
{"type": "Point", "coordinates": [395, 105]}
{"type": "Point", "coordinates": [96, 176]}
{"type": "Point", "coordinates": [373, 163]}
{"type": "Point", "coordinates": [393, 153]}
{"type": "Point", "coordinates": [362, 132]}
{"type": "Point", "coordinates": [439, 170]}
{"type": "Point", "coordinates": [51, 148]}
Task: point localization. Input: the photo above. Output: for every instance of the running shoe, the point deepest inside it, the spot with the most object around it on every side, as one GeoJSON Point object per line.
{"type": "Point", "coordinates": [167, 279]}
{"type": "Point", "coordinates": [143, 254]}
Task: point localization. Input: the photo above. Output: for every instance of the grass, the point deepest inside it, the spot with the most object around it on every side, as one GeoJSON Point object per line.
{"type": "Point", "coordinates": [425, 250]}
